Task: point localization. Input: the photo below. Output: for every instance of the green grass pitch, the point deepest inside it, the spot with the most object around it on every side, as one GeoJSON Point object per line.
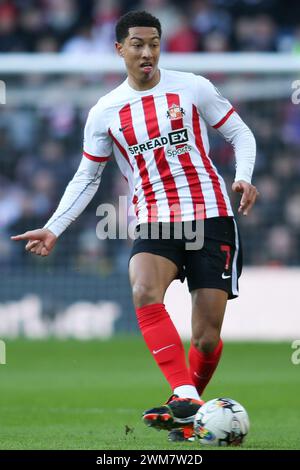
{"type": "Point", "coordinates": [90, 395]}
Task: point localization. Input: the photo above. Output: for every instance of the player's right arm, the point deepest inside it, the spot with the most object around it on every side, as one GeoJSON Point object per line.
{"type": "Point", "coordinates": [79, 192]}
{"type": "Point", "coordinates": [40, 241]}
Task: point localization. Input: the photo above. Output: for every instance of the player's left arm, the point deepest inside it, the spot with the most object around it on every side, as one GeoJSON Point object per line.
{"type": "Point", "coordinates": [220, 114]}
{"type": "Point", "coordinates": [235, 131]}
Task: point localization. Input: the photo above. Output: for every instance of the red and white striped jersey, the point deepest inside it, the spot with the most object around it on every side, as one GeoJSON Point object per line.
{"type": "Point", "coordinates": [159, 139]}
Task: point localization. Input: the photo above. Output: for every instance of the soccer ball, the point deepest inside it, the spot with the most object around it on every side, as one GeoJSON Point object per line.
{"type": "Point", "coordinates": [221, 422]}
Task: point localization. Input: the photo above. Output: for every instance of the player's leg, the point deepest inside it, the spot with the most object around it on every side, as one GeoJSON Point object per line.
{"type": "Point", "coordinates": [212, 275]}
{"type": "Point", "coordinates": [150, 276]}
{"type": "Point", "coordinates": [208, 308]}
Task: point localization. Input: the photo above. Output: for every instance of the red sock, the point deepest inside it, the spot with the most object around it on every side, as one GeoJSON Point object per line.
{"type": "Point", "coordinates": [202, 366]}
{"type": "Point", "coordinates": [164, 343]}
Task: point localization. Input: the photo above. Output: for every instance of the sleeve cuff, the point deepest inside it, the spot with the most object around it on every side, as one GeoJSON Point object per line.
{"type": "Point", "coordinates": [94, 158]}
{"type": "Point", "coordinates": [224, 119]}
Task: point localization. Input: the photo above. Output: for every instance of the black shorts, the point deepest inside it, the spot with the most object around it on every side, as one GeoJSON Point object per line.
{"type": "Point", "coordinates": [218, 264]}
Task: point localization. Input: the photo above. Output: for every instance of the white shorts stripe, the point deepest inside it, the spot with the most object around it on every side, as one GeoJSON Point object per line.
{"type": "Point", "coordinates": [234, 286]}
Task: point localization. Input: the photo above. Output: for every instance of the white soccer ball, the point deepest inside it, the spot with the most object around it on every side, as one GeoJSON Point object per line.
{"type": "Point", "coordinates": [221, 422]}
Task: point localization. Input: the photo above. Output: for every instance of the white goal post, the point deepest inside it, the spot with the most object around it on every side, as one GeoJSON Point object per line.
{"type": "Point", "coordinates": [234, 63]}
{"type": "Point", "coordinates": [240, 76]}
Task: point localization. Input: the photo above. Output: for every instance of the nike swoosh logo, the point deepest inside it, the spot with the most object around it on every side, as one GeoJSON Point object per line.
{"type": "Point", "coordinates": [156, 351]}
{"type": "Point", "coordinates": [200, 376]}
{"type": "Point", "coordinates": [122, 129]}
{"type": "Point", "coordinates": [224, 276]}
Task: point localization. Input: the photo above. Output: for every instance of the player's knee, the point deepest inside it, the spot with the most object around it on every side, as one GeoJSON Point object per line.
{"type": "Point", "coordinates": [144, 294]}
{"type": "Point", "coordinates": [207, 343]}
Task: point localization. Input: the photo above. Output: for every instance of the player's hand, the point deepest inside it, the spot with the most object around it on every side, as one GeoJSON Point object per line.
{"type": "Point", "coordinates": [249, 195]}
{"type": "Point", "coordinates": [40, 241]}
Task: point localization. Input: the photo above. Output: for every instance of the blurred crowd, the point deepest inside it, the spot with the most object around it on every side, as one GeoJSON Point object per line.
{"type": "Point", "coordinates": [72, 26]}
{"type": "Point", "coordinates": [41, 143]}
{"type": "Point", "coordinates": [41, 149]}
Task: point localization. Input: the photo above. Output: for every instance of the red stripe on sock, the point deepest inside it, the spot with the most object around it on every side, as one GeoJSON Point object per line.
{"type": "Point", "coordinates": [164, 343]}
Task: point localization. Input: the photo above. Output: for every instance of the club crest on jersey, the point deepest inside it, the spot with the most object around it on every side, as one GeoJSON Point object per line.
{"type": "Point", "coordinates": [175, 112]}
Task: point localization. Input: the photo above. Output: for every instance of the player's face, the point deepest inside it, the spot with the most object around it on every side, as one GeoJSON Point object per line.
{"type": "Point", "coordinates": [140, 51]}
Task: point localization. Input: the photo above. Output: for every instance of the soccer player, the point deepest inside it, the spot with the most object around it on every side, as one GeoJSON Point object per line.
{"type": "Point", "coordinates": [155, 125]}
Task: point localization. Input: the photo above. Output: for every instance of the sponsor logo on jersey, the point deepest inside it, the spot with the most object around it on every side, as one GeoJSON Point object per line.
{"type": "Point", "coordinates": [180, 151]}
{"type": "Point", "coordinates": [177, 137]}
{"type": "Point", "coordinates": [175, 112]}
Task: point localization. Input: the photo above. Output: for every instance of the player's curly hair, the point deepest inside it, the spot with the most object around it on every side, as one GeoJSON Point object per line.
{"type": "Point", "coordinates": [135, 18]}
